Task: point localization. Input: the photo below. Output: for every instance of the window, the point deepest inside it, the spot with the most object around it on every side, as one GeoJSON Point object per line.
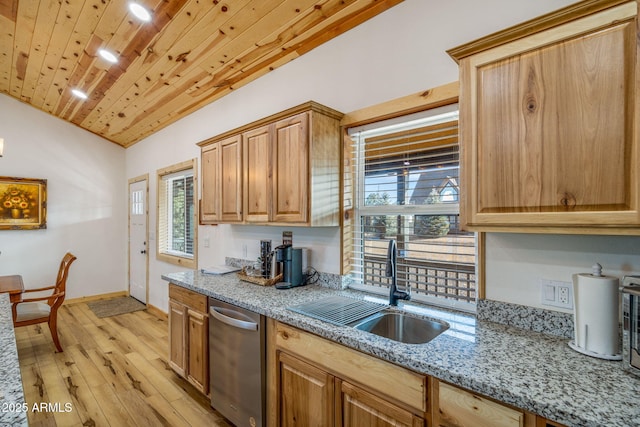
{"type": "Point", "coordinates": [177, 215]}
{"type": "Point", "coordinates": [137, 202]}
{"type": "Point", "coordinates": [406, 187]}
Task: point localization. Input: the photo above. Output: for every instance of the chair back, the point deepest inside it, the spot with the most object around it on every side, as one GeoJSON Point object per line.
{"type": "Point", "coordinates": [61, 281]}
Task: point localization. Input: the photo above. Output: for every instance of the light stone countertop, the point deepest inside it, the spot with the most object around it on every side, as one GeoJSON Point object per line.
{"type": "Point", "coordinates": [530, 370]}
{"type": "Point", "coordinates": [12, 403]}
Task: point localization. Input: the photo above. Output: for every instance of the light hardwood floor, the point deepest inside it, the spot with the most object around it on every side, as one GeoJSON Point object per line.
{"type": "Point", "coordinates": [113, 372]}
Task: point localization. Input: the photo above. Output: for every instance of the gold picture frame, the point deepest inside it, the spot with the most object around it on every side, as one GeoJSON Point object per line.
{"type": "Point", "coordinates": [23, 203]}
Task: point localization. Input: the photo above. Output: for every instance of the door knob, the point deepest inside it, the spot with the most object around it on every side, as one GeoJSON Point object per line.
{"type": "Point", "coordinates": [143, 251]}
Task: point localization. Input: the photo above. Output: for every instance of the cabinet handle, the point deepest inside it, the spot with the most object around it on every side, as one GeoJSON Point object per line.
{"type": "Point", "coordinates": [236, 323]}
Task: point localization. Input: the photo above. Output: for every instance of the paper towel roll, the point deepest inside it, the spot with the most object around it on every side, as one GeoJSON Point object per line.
{"type": "Point", "coordinates": [595, 305]}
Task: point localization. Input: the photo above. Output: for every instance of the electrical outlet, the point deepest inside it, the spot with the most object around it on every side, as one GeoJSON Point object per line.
{"type": "Point", "coordinates": [556, 293]}
{"type": "Point", "coordinates": [563, 295]}
{"type": "Point", "coordinates": [244, 250]}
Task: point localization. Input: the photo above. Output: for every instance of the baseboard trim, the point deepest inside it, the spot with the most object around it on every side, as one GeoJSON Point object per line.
{"type": "Point", "coordinates": [96, 297]}
{"type": "Point", "coordinates": [152, 309]}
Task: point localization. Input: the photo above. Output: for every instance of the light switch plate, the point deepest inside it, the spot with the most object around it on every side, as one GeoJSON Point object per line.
{"type": "Point", "coordinates": [556, 293]}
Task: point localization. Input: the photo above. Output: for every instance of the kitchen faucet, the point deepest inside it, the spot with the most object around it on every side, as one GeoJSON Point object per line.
{"type": "Point", "coordinates": [391, 271]}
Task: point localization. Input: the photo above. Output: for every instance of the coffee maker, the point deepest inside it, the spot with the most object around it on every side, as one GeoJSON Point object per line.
{"type": "Point", "coordinates": [291, 260]}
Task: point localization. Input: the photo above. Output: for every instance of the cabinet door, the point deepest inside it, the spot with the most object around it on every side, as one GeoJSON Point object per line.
{"type": "Point", "coordinates": [177, 337]}
{"type": "Point", "coordinates": [305, 394]}
{"type": "Point", "coordinates": [359, 408]}
{"type": "Point", "coordinates": [548, 126]}
{"type": "Point", "coordinates": [210, 161]}
{"type": "Point", "coordinates": [257, 180]}
{"type": "Point", "coordinates": [460, 408]}
{"type": "Point", "coordinates": [290, 160]}
{"type": "Point", "coordinates": [230, 189]}
{"type": "Point", "coordinates": [198, 351]}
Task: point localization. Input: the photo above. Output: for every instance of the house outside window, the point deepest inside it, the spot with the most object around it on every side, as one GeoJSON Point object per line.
{"type": "Point", "coordinates": [406, 187]}
{"type": "Point", "coordinates": [177, 214]}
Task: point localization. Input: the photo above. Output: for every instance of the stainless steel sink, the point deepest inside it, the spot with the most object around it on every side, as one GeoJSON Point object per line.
{"type": "Point", "coordinates": [402, 327]}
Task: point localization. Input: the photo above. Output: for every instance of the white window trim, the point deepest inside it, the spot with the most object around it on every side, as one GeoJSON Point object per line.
{"type": "Point", "coordinates": [169, 256]}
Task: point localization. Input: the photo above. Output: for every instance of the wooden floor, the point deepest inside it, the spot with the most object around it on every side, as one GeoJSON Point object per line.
{"type": "Point", "coordinates": [113, 372]}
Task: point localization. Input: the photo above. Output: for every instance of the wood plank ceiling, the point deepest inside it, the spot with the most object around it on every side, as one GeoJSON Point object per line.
{"type": "Point", "coordinates": [192, 53]}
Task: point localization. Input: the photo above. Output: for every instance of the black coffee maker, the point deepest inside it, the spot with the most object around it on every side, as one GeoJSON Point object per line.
{"type": "Point", "coordinates": [291, 260]}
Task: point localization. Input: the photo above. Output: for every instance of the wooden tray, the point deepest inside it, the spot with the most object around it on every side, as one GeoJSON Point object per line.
{"type": "Point", "coordinates": [259, 280]}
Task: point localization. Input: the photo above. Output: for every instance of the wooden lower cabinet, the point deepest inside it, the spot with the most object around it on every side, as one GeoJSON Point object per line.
{"type": "Point", "coordinates": [198, 350]}
{"type": "Point", "coordinates": [313, 381]}
{"type": "Point", "coordinates": [189, 336]}
{"type": "Point", "coordinates": [356, 407]}
{"type": "Point", "coordinates": [542, 422]}
{"type": "Point", "coordinates": [306, 393]}
{"type": "Point", "coordinates": [461, 408]}
{"type": "Point", "coordinates": [177, 336]}
{"type": "Point", "coordinates": [455, 407]}
{"type": "Point", "coordinates": [310, 396]}
{"type": "Point", "coordinates": [316, 382]}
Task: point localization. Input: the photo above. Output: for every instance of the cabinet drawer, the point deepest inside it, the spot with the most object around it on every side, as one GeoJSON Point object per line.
{"type": "Point", "coordinates": [408, 388]}
{"type": "Point", "coordinates": [460, 408]}
{"type": "Point", "coordinates": [189, 298]}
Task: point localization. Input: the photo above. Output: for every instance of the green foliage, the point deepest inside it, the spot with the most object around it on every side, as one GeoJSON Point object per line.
{"type": "Point", "coordinates": [432, 225]}
{"type": "Point", "coordinates": [376, 199]}
{"type": "Point", "coordinates": [182, 214]}
{"type": "Point", "coordinates": [377, 225]}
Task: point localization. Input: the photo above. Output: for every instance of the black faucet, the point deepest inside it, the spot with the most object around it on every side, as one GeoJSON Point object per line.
{"type": "Point", "coordinates": [391, 271]}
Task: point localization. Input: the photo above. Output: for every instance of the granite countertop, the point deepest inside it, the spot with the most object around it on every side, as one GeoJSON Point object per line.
{"type": "Point", "coordinates": [12, 403]}
{"type": "Point", "coordinates": [530, 370]}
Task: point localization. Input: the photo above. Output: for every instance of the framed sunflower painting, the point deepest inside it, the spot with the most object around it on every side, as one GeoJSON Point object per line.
{"type": "Point", "coordinates": [23, 203]}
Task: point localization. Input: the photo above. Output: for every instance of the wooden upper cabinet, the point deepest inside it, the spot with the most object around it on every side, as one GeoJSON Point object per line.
{"type": "Point", "coordinates": [222, 181]}
{"type": "Point", "coordinates": [290, 169]}
{"type": "Point", "coordinates": [290, 160]}
{"type": "Point", "coordinates": [548, 125]}
{"type": "Point", "coordinates": [210, 168]}
{"type": "Point", "coordinates": [231, 179]}
{"type": "Point", "coordinates": [257, 188]}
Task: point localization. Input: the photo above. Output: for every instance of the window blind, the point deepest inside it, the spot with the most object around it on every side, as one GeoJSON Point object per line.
{"type": "Point", "coordinates": [406, 187]}
{"type": "Point", "coordinates": [175, 214]}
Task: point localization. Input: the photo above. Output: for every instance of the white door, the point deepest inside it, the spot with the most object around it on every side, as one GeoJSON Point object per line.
{"type": "Point", "coordinates": [138, 248]}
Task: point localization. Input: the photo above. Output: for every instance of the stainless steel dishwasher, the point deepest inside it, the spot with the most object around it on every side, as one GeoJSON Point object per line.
{"type": "Point", "coordinates": [237, 363]}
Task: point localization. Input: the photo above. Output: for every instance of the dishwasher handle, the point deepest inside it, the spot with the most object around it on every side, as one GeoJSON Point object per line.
{"type": "Point", "coordinates": [236, 323]}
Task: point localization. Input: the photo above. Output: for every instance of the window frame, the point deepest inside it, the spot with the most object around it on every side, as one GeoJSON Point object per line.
{"type": "Point", "coordinates": [415, 103]}
{"type": "Point", "coordinates": [165, 256]}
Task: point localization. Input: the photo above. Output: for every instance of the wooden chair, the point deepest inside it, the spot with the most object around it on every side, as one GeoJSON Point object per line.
{"type": "Point", "coordinates": [30, 311]}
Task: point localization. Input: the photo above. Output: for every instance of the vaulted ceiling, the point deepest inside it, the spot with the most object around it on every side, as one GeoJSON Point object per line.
{"type": "Point", "coordinates": [190, 54]}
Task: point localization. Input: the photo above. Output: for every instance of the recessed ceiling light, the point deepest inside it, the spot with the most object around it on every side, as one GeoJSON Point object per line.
{"type": "Point", "coordinates": [108, 56]}
{"type": "Point", "coordinates": [140, 12]}
{"type": "Point", "coordinates": [80, 94]}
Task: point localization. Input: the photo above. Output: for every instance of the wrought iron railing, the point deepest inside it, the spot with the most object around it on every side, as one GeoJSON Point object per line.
{"type": "Point", "coordinates": [432, 278]}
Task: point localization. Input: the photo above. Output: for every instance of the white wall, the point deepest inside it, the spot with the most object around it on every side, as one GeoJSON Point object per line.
{"type": "Point", "coordinates": [517, 262]}
{"type": "Point", "coordinates": [397, 53]}
{"type": "Point", "coordinates": [86, 206]}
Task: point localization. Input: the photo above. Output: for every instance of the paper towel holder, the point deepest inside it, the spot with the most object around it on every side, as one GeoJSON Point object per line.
{"type": "Point", "coordinates": [596, 315]}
